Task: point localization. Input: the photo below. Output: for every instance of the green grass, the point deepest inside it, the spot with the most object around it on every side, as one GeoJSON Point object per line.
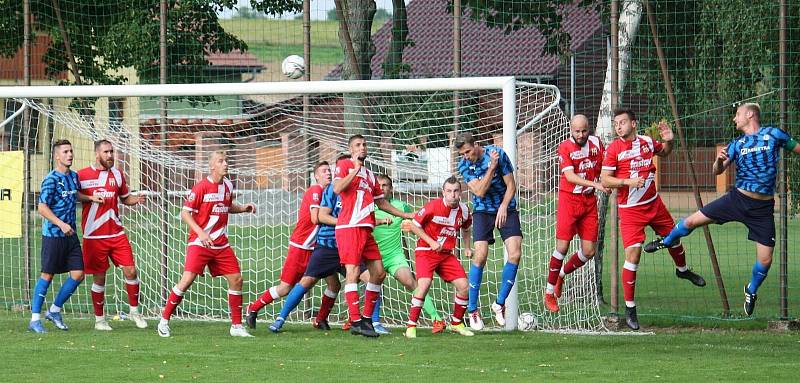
{"type": "Point", "coordinates": [203, 352]}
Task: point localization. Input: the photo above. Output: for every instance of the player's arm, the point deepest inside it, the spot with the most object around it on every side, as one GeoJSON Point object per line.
{"type": "Point", "coordinates": [721, 162]}
{"type": "Point", "coordinates": [608, 180]}
{"type": "Point", "coordinates": [48, 214]}
{"type": "Point", "coordinates": [466, 241]}
{"type": "Point", "coordinates": [432, 243]}
{"type": "Point", "coordinates": [667, 139]}
{"type": "Point", "coordinates": [205, 239]}
{"type": "Point", "coordinates": [577, 180]}
{"type": "Point", "coordinates": [315, 215]}
{"type": "Point", "coordinates": [341, 184]}
{"type": "Point", "coordinates": [89, 198]}
{"type": "Point", "coordinates": [326, 217]}
{"type": "Point", "coordinates": [792, 146]}
{"type": "Point", "coordinates": [134, 199]}
{"type": "Point", "coordinates": [386, 206]}
{"type": "Point", "coordinates": [480, 187]}
{"type": "Point", "coordinates": [246, 208]}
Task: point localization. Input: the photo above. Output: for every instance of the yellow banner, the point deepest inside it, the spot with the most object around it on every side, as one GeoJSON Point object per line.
{"type": "Point", "coordinates": [11, 189]}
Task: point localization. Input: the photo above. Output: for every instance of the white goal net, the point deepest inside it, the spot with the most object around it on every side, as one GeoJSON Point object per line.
{"type": "Point", "coordinates": [273, 139]}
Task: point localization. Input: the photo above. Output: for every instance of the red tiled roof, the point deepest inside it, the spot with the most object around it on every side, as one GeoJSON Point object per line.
{"type": "Point", "coordinates": [485, 51]}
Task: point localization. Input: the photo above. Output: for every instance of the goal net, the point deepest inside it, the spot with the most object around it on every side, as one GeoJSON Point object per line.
{"type": "Point", "coordinates": [274, 133]}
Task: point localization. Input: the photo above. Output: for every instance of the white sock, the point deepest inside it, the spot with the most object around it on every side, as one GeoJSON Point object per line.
{"type": "Point", "coordinates": [134, 309]}
{"type": "Point", "coordinates": [35, 317]}
{"type": "Point", "coordinates": [54, 309]}
{"type": "Point", "coordinates": [101, 318]}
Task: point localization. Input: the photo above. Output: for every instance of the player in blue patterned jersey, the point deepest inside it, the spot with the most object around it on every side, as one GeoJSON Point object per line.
{"type": "Point", "coordinates": [61, 250]}
{"type": "Point", "coordinates": [756, 155]}
{"type": "Point", "coordinates": [489, 175]}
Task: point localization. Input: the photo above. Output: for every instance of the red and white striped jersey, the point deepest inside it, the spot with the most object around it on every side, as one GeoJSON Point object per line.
{"type": "Point", "coordinates": [585, 161]}
{"type": "Point", "coordinates": [304, 235]}
{"type": "Point", "coordinates": [358, 200]}
{"type": "Point", "coordinates": [442, 223]}
{"type": "Point", "coordinates": [630, 159]}
{"type": "Point", "coordinates": [209, 204]}
{"type": "Point", "coordinates": [102, 220]}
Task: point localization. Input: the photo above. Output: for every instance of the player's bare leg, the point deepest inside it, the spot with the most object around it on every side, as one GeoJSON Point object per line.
{"type": "Point", "coordinates": [513, 246]}
{"type": "Point", "coordinates": [235, 304]}
{"type": "Point", "coordinates": [417, 297]}
{"type": "Point", "coordinates": [479, 256]}
{"type": "Point", "coordinates": [174, 299]}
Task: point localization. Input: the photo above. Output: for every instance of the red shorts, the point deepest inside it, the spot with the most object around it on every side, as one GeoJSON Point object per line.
{"type": "Point", "coordinates": [219, 261]}
{"type": "Point", "coordinates": [357, 244]}
{"type": "Point", "coordinates": [633, 220]}
{"type": "Point", "coordinates": [295, 265]}
{"type": "Point", "coordinates": [446, 265]}
{"type": "Point", "coordinates": [97, 251]}
{"type": "Point", "coordinates": [576, 214]}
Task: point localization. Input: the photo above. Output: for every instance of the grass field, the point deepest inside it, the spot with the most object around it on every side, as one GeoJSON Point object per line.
{"type": "Point", "coordinates": [202, 351]}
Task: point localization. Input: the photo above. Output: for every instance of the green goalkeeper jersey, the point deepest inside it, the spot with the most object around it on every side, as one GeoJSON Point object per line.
{"type": "Point", "coordinates": [388, 236]}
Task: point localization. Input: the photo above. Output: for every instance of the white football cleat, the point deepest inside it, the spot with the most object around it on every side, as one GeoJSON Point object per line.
{"type": "Point", "coordinates": [138, 320]}
{"type": "Point", "coordinates": [240, 331]}
{"type": "Point", "coordinates": [475, 321]}
{"type": "Point", "coordinates": [163, 329]}
{"type": "Point", "coordinates": [102, 325]}
{"type": "Point", "coordinates": [499, 314]}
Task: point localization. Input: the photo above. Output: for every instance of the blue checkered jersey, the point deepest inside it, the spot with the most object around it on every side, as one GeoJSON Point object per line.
{"type": "Point", "coordinates": [60, 194]}
{"type": "Point", "coordinates": [490, 202]}
{"type": "Point", "coordinates": [326, 236]}
{"type": "Point", "coordinates": [756, 157]}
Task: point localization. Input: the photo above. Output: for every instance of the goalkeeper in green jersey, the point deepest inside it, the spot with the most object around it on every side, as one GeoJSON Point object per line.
{"type": "Point", "coordinates": [387, 233]}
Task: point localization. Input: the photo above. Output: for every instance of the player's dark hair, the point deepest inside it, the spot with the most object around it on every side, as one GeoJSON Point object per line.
{"type": "Point", "coordinates": [385, 177]}
{"type": "Point", "coordinates": [452, 180]}
{"type": "Point", "coordinates": [629, 112]}
{"type": "Point", "coordinates": [464, 138]}
{"type": "Point", "coordinates": [320, 164]}
{"type": "Point", "coordinates": [101, 142]}
{"type": "Point", "coordinates": [343, 156]}
{"type": "Point", "coordinates": [355, 137]}
{"type": "Point", "coordinates": [59, 143]}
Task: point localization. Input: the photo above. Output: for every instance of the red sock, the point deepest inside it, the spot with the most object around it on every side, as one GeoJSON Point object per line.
{"type": "Point", "coordinates": [575, 262]}
{"type": "Point", "coordinates": [266, 298]}
{"type": "Point", "coordinates": [629, 281]}
{"type": "Point", "coordinates": [235, 304]}
{"type": "Point", "coordinates": [414, 311]}
{"type": "Point", "coordinates": [172, 303]}
{"type": "Point", "coordinates": [326, 306]}
{"type": "Point", "coordinates": [98, 300]}
{"type": "Point", "coordinates": [459, 308]}
{"type": "Point", "coordinates": [351, 296]}
{"type": "Point", "coordinates": [370, 297]}
{"type": "Point", "coordinates": [133, 292]}
{"type": "Point", "coordinates": [555, 267]}
{"type": "Point", "coordinates": [678, 255]}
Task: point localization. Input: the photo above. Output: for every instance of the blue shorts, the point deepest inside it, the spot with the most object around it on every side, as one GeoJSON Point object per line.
{"type": "Point", "coordinates": [324, 262]}
{"type": "Point", "coordinates": [756, 214]}
{"type": "Point", "coordinates": [483, 226]}
{"type": "Point", "coordinates": [61, 254]}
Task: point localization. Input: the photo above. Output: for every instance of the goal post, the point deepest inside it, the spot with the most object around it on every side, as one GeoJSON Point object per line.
{"type": "Point", "coordinates": [272, 146]}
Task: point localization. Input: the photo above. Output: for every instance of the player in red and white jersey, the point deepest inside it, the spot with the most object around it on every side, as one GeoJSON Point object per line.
{"type": "Point", "coordinates": [206, 212]}
{"type": "Point", "coordinates": [437, 225]}
{"type": "Point", "coordinates": [628, 166]}
{"type": "Point", "coordinates": [359, 191]}
{"type": "Point", "coordinates": [580, 158]}
{"type": "Point", "coordinates": [301, 244]}
{"type": "Point", "coordinates": [103, 234]}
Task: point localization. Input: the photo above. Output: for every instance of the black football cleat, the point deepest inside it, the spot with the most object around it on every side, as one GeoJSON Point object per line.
{"type": "Point", "coordinates": [655, 245]}
{"type": "Point", "coordinates": [693, 277]}
{"type": "Point", "coordinates": [364, 327]}
{"type": "Point", "coordinates": [749, 302]}
{"type": "Point", "coordinates": [251, 319]}
{"type": "Point", "coordinates": [631, 319]}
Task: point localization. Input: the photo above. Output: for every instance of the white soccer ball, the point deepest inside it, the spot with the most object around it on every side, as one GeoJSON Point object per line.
{"type": "Point", "coordinates": [527, 322]}
{"type": "Point", "coordinates": [293, 66]}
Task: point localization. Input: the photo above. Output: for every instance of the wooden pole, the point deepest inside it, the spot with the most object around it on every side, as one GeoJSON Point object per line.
{"type": "Point", "coordinates": [613, 247]}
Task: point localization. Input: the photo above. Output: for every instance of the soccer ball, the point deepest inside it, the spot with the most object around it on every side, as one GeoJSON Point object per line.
{"type": "Point", "coordinates": [293, 66]}
{"type": "Point", "coordinates": [526, 322]}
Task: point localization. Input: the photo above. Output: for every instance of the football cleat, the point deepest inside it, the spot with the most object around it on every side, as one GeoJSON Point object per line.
{"type": "Point", "coordinates": [275, 327]}
{"type": "Point", "coordinates": [138, 320]}
{"type": "Point", "coordinates": [57, 320]}
{"type": "Point", "coordinates": [163, 329]}
{"type": "Point", "coordinates": [363, 327]}
{"type": "Point", "coordinates": [411, 332]}
{"type": "Point", "coordinates": [475, 321]}
{"type": "Point", "coordinates": [460, 329]}
{"type": "Point", "coordinates": [37, 326]}
{"type": "Point", "coordinates": [239, 331]}
{"type": "Point", "coordinates": [378, 327]}
{"type": "Point", "coordinates": [749, 302]}
{"type": "Point", "coordinates": [102, 325]}
{"type": "Point", "coordinates": [347, 325]}
{"type": "Point", "coordinates": [320, 324]}
{"type": "Point", "coordinates": [631, 319]}
{"type": "Point", "coordinates": [499, 314]}
{"type": "Point", "coordinates": [438, 326]}
{"type": "Point", "coordinates": [693, 277]}
{"type": "Point", "coordinates": [557, 289]}
{"type": "Point", "coordinates": [551, 302]}
{"type": "Point", "coordinates": [251, 318]}
{"type": "Point", "coordinates": [655, 245]}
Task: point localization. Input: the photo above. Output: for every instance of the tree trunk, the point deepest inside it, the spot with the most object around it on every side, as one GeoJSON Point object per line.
{"type": "Point", "coordinates": [359, 15]}
{"type": "Point", "coordinates": [393, 66]}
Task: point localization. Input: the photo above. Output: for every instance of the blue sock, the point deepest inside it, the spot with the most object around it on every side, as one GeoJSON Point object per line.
{"type": "Point", "coordinates": [677, 233]}
{"type": "Point", "coordinates": [66, 291]}
{"type": "Point", "coordinates": [759, 274]}
{"type": "Point", "coordinates": [39, 293]}
{"type": "Point", "coordinates": [475, 278]}
{"type": "Point", "coordinates": [509, 276]}
{"type": "Point", "coordinates": [292, 300]}
{"type": "Point", "coordinates": [376, 313]}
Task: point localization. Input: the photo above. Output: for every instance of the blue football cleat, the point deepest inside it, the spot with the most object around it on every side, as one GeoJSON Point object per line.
{"type": "Point", "coordinates": [37, 326]}
{"type": "Point", "coordinates": [380, 329]}
{"type": "Point", "coordinates": [275, 327]}
{"type": "Point", "coordinates": [57, 320]}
